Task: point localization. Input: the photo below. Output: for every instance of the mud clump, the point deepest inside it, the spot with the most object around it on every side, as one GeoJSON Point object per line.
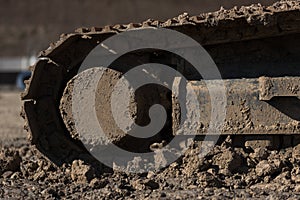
{"type": "Point", "coordinates": [264, 167]}
{"type": "Point", "coordinates": [259, 154]}
{"type": "Point", "coordinates": [81, 172]}
{"type": "Point", "coordinates": [296, 153]}
{"type": "Point", "coordinates": [9, 161]}
{"type": "Point", "coordinates": [229, 161]}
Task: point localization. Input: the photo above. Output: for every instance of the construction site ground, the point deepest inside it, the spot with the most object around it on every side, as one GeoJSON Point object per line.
{"type": "Point", "coordinates": [225, 173]}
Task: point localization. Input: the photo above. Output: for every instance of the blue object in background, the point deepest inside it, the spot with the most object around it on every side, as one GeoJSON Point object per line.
{"type": "Point", "coordinates": [24, 75]}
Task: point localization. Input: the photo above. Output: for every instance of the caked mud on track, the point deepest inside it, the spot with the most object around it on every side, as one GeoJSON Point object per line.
{"type": "Point", "coordinates": [245, 43]}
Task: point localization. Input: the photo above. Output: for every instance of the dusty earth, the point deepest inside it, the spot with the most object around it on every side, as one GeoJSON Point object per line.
{"type": "Point", "coordinates": [224, 173]}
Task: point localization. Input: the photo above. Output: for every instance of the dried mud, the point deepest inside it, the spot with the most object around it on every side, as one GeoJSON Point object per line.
{"type": "Point", "coordinates": [238, 28]}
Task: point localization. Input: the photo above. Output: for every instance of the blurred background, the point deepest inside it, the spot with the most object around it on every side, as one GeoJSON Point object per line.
{"type": "Point", "coordinates": [28, 26]}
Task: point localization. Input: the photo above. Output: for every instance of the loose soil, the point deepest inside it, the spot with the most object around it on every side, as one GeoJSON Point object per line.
{"type": "Point", "coordinates": [224, 173]}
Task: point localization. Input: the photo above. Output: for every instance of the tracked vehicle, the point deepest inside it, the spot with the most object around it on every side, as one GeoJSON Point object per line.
{"type": "Point", "coordinates": [255, 48]}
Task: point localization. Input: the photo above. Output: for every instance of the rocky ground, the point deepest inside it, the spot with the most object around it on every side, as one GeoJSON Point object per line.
{"type": "Point", "coordinates": [224, 173]}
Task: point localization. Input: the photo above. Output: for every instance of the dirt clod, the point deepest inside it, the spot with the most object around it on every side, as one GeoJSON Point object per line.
{"type": "Point", "coordinates": [229, 161]}
{"type": "Point", "coordinates": [9, 161]}
{"type": "Point", "coordinates": [81, 172]}
{"type": "Point", "coordinates": [98, 183]}
{"type": "Point", "coordinates": [152, 184]}
{"type": "Point", "coordinates": [259, 154]}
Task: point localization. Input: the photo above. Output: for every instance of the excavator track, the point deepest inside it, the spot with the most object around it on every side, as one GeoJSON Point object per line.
{"type": "Point", "coordinates": [244, 30]}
